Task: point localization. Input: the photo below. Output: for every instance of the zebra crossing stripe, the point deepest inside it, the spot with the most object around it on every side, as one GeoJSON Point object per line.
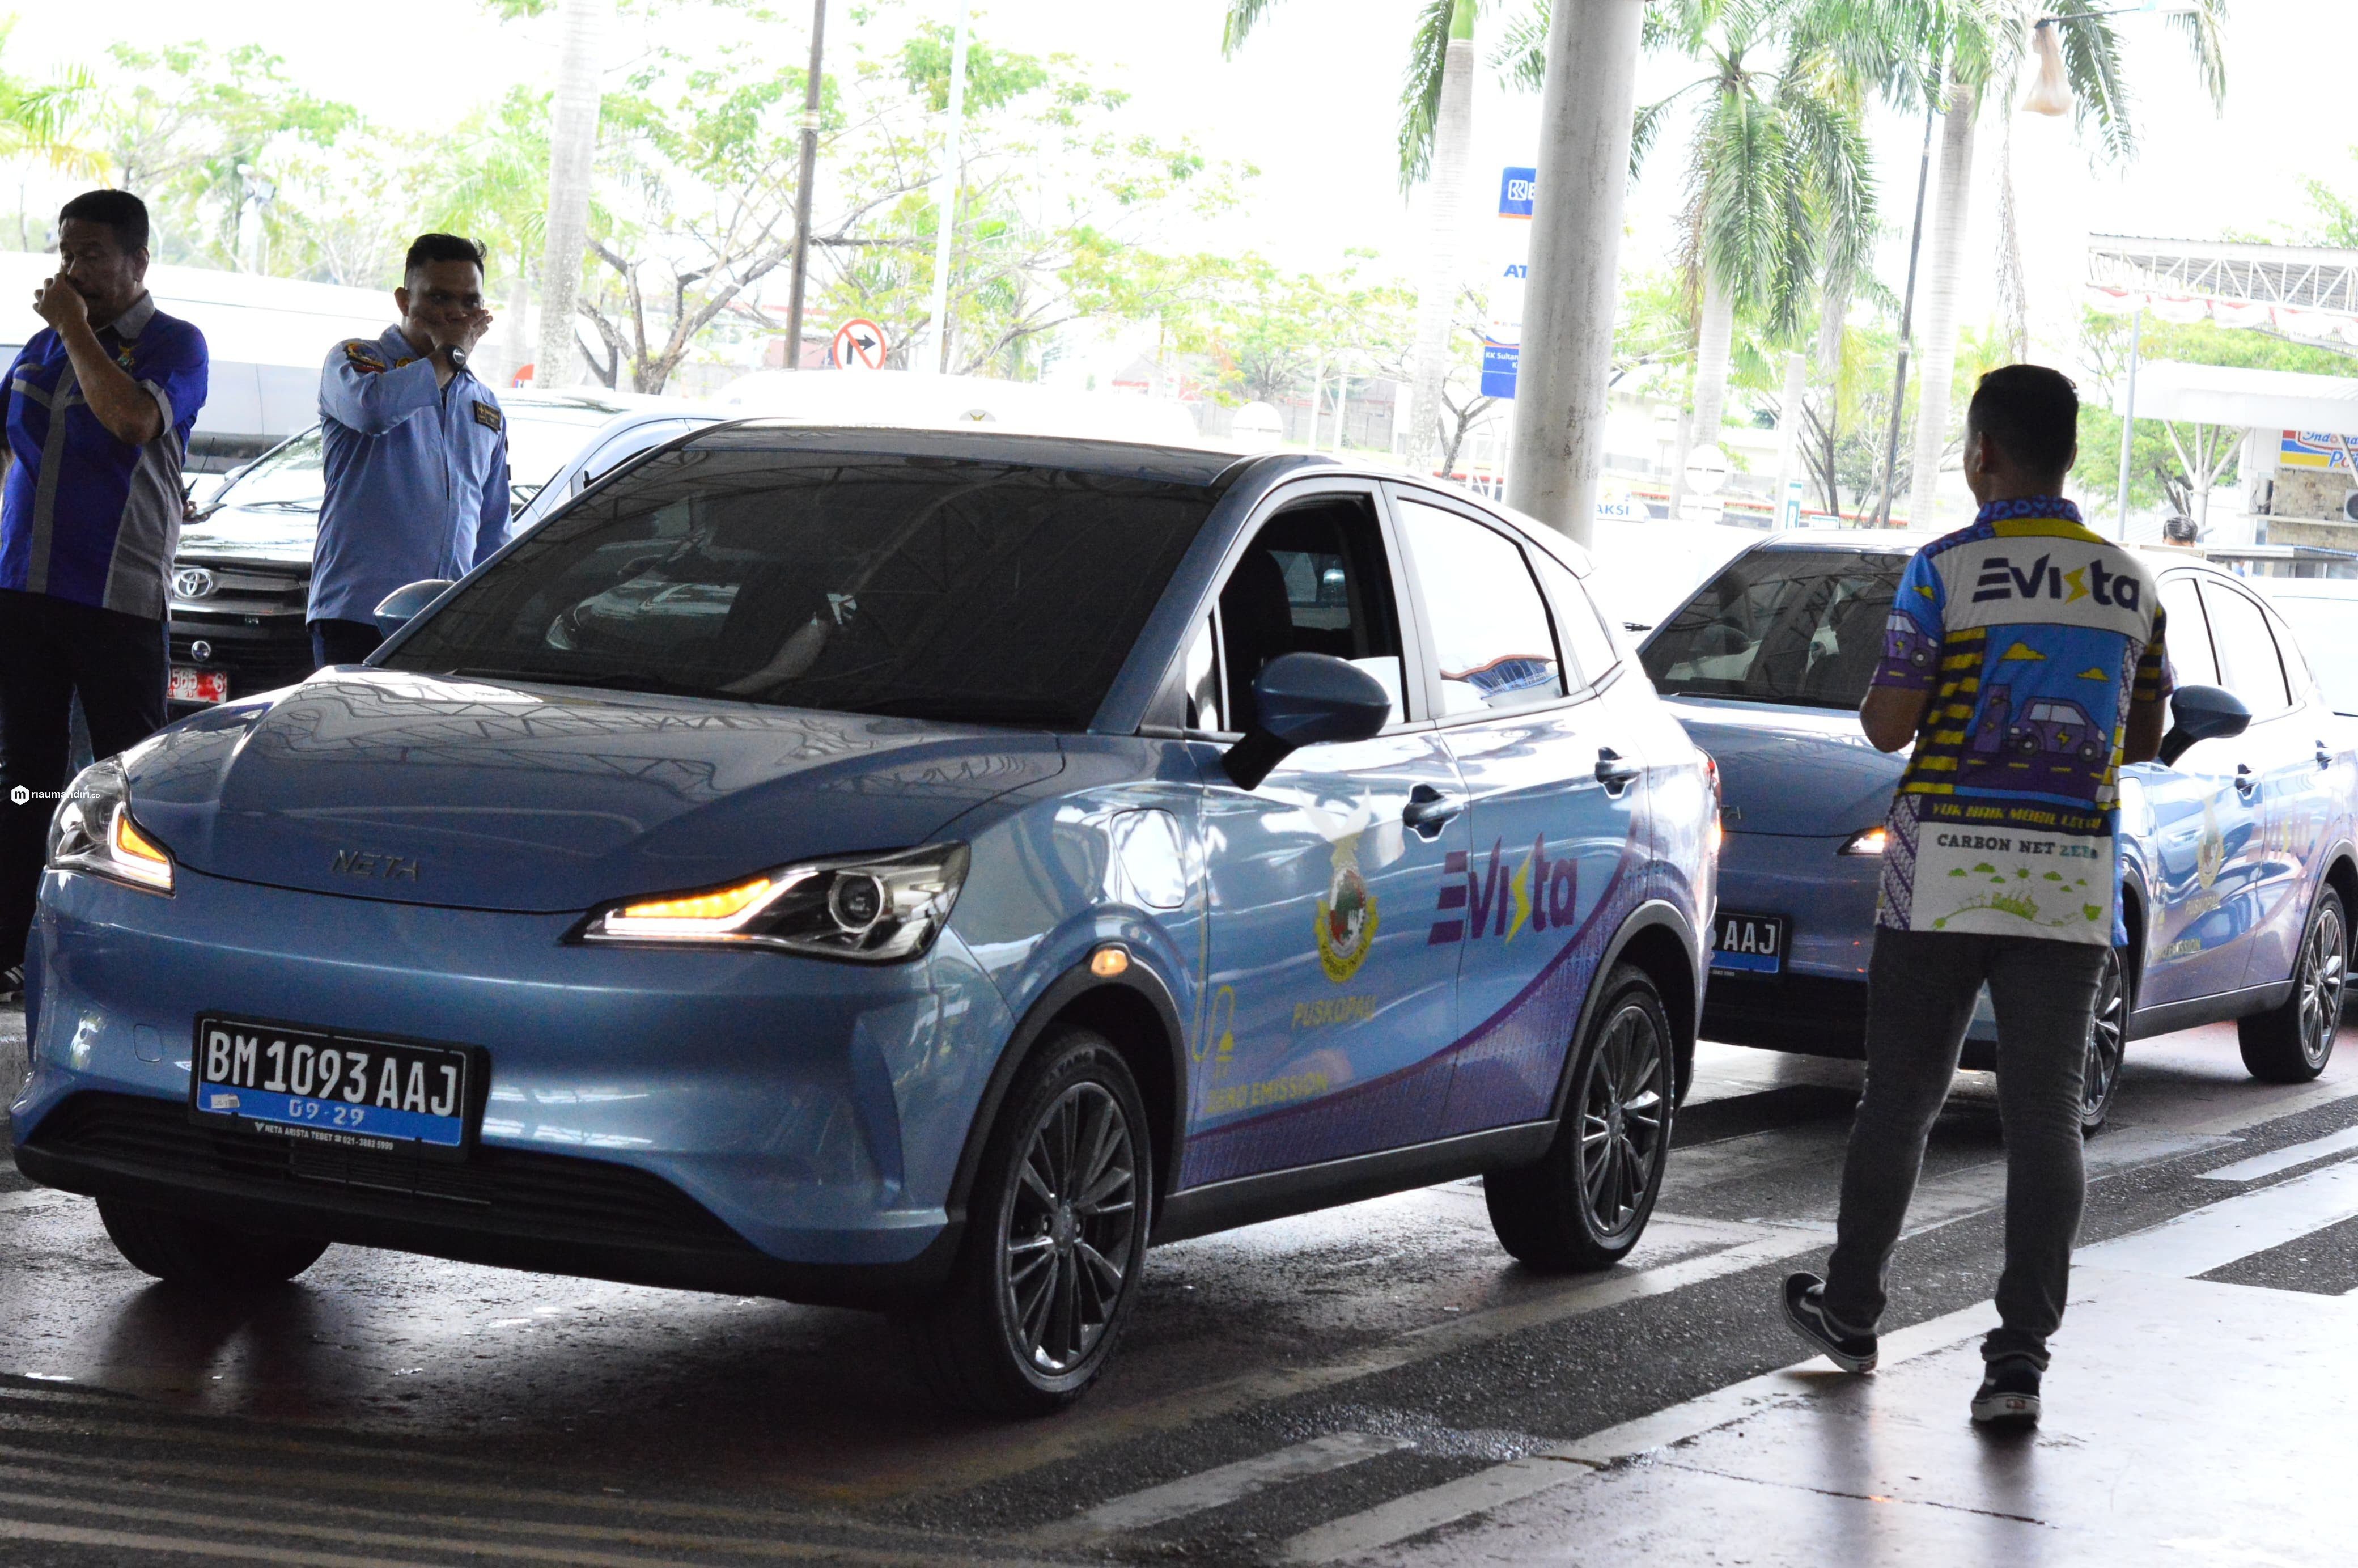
{"type": "Point", "coordinates": [1214, 1488]}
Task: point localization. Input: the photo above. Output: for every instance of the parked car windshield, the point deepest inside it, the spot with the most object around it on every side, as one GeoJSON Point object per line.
{"type": "Point", "coordinates": [2328, 630]}
{"type": "Point", "coordinates": [1802, 626]}
{"type": "Point", "coordinates": [982, 592]}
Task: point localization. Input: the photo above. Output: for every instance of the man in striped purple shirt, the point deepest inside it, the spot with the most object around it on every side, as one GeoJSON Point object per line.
{"type": "Point", "coordinates": [97, 410]}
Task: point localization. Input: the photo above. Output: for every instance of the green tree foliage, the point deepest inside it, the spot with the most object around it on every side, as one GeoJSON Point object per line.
{"type": "Point", "coordinates": [1063, 208]}
{"type": "Point", "coordinates": [216, 141]}
{"type": "Point", "coordinates": [2335, 212]}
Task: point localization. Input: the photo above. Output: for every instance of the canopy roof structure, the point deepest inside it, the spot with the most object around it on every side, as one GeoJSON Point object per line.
{"type": "Point", "coordinates": [2303, 291]}
{"type": "Point", "coordinates": [2249, 399]}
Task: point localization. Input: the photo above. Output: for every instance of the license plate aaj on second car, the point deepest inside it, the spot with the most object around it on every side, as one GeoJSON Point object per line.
{"type": "Point", "coordinates": [1751, 943]}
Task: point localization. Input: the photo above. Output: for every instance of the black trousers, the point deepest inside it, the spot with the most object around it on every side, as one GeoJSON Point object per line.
{"type": "Point", "coordinates": [51, 651]}
{"type": "Point", "coordinates": [1921, 987]}
{"type": "Point", "coordinates": [343, 641]}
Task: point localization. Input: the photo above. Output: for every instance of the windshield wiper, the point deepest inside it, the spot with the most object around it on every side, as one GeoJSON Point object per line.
{"type": "Point", "coordinates": [954, 710]}
{"type": "Point", "coordinates": [270, 505]}
{"type": "Point", "coordinates": [611, 680]}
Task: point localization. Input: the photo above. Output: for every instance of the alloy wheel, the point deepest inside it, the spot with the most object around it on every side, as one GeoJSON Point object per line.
{"type": "Point", "coordinates": [2107, 1040]}
{"type": "Point", "coordinates": [1067, 1237]}
{"type": "Point", "coordinates": [1622, 1104]}
{"type": "Point", "coordinates": [2323, 975]}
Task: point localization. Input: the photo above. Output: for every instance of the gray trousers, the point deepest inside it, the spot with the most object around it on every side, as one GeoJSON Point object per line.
{"type": "Point", "coordinates": [1920, 991]}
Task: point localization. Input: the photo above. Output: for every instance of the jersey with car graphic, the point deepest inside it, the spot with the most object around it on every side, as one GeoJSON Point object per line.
{"type": "Point", "coordinates": [2032, 636]}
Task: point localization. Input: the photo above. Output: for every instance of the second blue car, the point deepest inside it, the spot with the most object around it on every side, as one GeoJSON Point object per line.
{"type": "Point", "coordinates": [2237, 861]}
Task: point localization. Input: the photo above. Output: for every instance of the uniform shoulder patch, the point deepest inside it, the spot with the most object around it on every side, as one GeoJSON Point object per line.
{"type": "Point", "coordinates": [486, 414]}
{"type": "Point", "coordinates": [364, 355]}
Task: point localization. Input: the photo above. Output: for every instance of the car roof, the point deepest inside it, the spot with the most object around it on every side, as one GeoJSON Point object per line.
{"type": "Point", "coordinates": [1132, 459]}
{"type": "Point", "coordinates": [594, 400]}
{"type": "Point", "coordinates": [2303, 587]}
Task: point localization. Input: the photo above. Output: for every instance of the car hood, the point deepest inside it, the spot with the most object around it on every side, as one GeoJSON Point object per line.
{"type": "Point", "coordinates": [1805, 770]}
{"type": "Point", "coordinates": [378, 783]}
{"type": "Point", "coordinates": [263, 534]}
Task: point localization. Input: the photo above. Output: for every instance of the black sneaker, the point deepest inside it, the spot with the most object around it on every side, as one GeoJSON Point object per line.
{"type": "Point", "coordinates": [12, 983]}
{"type": "Point", "coordinates": [2008, 1394]}
{"type": "Point", "coordinates": [1805, 1309]}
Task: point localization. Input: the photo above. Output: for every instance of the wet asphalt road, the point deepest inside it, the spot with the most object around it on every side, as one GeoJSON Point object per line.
{"type": "Point", "coordinates": [390, 1410]}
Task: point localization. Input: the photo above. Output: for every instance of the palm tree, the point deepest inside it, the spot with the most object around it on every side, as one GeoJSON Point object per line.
{"type": "Point", "coordinates": [1436, 141]}
{"type": "Point", "coordinates": [1971, 49]}
{"type": "Point", "coordinates": [1782, 204]}
{"type": "Point", "coordinates": [572, 146]}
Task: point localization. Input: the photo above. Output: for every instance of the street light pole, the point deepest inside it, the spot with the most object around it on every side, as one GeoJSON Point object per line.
{"type": "Point", "coordinates": [945, 217]}
{"type": "Point", "coordinates": [1907, 327]}
{"type": "Point", "coordinates": [803, 190]}
{"type": "Point", "coordinates": [2128, 418]}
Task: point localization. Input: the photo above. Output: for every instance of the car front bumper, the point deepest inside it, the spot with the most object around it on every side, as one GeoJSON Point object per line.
{"type": "Point", "coordinates": [1817, 1005]}
{"type": "Point", "coordinates": [734, 1120]}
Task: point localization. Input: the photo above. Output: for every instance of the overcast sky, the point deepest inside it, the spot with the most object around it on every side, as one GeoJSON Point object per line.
{"type": "Point", "coordinates": [1312, 101]}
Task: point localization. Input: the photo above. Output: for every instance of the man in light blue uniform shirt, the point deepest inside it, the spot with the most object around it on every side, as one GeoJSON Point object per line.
{"type": "Point", "coordinates": [416, 453]}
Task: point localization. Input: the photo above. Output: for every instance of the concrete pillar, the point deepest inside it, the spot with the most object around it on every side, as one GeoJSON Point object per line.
{"type": "Point", "coordinates": [1575, 285]}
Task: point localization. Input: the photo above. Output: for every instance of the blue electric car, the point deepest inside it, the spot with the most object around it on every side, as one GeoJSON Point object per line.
{"type": "Point", "coordinates": [912, 871]}
{"type": "Point", "coordinates": [2238, 868]}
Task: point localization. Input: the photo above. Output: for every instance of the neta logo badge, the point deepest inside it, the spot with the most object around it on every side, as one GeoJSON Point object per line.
{"type": "Point", "coordinates": [1497, 903]}
{"type": "Point", "coordinates": [2001, 580]}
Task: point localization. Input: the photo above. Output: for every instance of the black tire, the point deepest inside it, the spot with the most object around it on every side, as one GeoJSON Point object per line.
{"type": "Point", "coordinates": [1055, 1238]}
{"type": "Point", "coordinates": [202, 1254]}
{"type": "Point", "coordinates": [2292, 1043]}
{"type": "Point", "coordinates": [2108, 1035]}
{"type": "Point", "coordinates": [1586, 1201]}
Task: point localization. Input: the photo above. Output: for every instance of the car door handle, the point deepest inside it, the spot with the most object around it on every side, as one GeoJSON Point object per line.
{"type": "Point", "coordinates": [1612, 771]}
{"type": "Point", "coordinates": [1428, 811]}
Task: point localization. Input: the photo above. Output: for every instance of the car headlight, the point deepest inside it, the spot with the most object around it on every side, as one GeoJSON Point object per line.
{"type": "Point", "coordinates": [1866, 841]}
{"type": "Point", "coordinates": [873, 909]}
{"type": "Point", "coordinates": [94, 831]}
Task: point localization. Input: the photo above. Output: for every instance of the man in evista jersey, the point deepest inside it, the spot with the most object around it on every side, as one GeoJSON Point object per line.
{"type": "Point", "coordinates": [2051, 675]}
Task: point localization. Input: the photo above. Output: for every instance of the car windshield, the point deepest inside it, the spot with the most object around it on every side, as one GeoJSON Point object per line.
{"type": "Point", "coordinates": [1781, 625]}
{"type": "Point", "coordinates": [2328, 631]}
{"type": "Point", "coordinates": [981, 592]}
{"type": "Point", "coordinates": [292, 477]}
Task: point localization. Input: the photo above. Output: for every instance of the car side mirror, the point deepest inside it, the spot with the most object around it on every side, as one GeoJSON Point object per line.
{"type": "Point", "coordinates": [400, 607]}
{"type": "Point", "coordinates": [1303, 699]}
{"type": "Point", "coordinates": [2203, 713]}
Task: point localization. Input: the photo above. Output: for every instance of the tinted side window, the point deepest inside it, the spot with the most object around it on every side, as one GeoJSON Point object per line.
{"type": "Point", "coordinates": [2188, 633]}
{"type": "Point", "coordinates": [1313, 580]}
{"type": "Point", "coordinates": [1589, 650]}
{"type": "Point", "coordinates": [1491, 638]}
{"type": "Point", "coordinates": [2247, 651]}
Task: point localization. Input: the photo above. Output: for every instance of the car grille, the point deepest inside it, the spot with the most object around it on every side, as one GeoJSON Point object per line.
{"type": "Point", "coordinates": [253, 625]}
{"type": "Point", "coordinates": [555, 1197]}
